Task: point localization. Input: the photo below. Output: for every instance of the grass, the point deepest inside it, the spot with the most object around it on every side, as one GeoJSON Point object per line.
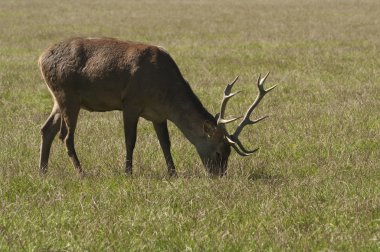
{"type": "Point", "coordinates": [314, 185]}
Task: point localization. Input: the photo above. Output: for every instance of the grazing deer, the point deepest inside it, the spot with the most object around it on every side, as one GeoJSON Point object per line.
{"type": "Point", "coordinates": [142, 81]}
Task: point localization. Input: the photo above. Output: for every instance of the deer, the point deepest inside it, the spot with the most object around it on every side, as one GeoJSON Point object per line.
{"type": "Point", "coordinates": [141, 80]}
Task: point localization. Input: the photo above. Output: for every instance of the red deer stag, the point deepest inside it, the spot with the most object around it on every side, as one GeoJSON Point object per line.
{"type": "Point", "coordinates": [142, 81]}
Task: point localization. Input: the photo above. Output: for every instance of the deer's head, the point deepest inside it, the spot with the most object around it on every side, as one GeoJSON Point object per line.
{"type": "Point", "coordinates": [216, 151]}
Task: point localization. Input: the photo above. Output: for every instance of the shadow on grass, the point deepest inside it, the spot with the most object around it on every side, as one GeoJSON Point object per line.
{"type": "Point", "coordinates": [264, 175]}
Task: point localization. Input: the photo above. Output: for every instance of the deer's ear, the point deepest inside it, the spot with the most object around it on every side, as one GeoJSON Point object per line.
{"type": "Point", "coordinates": [208, 128]}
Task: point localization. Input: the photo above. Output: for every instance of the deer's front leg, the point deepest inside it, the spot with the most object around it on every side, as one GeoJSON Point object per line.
{"type": "Point", "coordinates": [163, 137]}
{"type": "Point", "coordinates": [130, 127]}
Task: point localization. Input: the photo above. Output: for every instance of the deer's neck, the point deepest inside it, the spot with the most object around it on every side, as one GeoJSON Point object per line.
{"type": "Point", "coordinates": [189, 116]}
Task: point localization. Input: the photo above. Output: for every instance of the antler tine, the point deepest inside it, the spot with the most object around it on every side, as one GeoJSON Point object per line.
{"type": "Point", "coordinates": [226, 96]}
{"type": "Point", "coordinates": [239, 151]}
{"type": "Point", "coordinates": [236, 143]}
{"type": "Point", "coordinates": [260, 84]}
{"type": "Point", "coordinates": [260, 95]}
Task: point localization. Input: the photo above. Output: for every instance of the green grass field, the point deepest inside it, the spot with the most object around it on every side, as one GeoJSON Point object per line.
{"type": "Point", "coordinates": [314, 184]}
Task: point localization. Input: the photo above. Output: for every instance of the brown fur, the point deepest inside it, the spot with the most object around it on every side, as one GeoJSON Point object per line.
{"type": "Point", "coordinates": [140, 80]}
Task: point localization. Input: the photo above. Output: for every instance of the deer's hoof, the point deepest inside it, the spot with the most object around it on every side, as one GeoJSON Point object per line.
{"type": "Point", "coordinates": [43, 172]}
{"type": "Point", "coordinates": [128, 172]}
{"type": "Point", "coordinates": [81, 174]}
{"type": "Point", "coordinates": [172, 174]}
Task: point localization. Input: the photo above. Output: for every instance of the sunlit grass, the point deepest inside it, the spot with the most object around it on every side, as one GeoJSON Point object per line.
{"type": "Point", "coordinates": [313, 185]}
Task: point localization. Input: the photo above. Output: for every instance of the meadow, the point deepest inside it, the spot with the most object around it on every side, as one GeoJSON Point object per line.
{"type": "Point", "coordinates": [314, 184]}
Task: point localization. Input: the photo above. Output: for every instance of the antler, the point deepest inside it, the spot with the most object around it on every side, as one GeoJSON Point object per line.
{"type": "Point", "coordinates": [226, 96]}
{"type": "Point", "coordinates": [233, 139]}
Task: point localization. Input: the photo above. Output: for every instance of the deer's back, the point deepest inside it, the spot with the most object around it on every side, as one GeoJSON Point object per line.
{"type": "Point", "coordinates": [106, 71]}
{"type": "Point", "coordinates": [81, 59]}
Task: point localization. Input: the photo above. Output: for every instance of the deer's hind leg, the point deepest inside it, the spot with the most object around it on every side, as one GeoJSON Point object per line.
{"type": "Point", "coordinates": [48, 131]}
{"type": "Point", "coordinates": [62, 131]}
{"type": "Point", "coordinates": [70, 107]}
